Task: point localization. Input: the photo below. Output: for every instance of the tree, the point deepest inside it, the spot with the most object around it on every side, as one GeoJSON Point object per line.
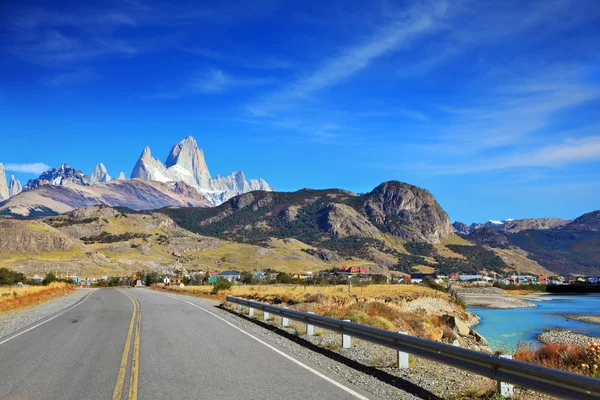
{"type": "Point", "coordinates": [247, 278]}
{"type": "Point", "coordinates": [49, 279]}
{"type": "Point", "coordinates": [282, 277]}
{"type": "Point", "coordinates": [151, 278]}
{"type": "Point", "coordinates": [8, 277]}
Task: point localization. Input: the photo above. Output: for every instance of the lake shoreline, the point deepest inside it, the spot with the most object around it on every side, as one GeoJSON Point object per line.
{"type": "Point", "coordinates": [495, 298]}
{"type": "Point", "coordinates": [564, 336]}
{"type": "Point", "coordinates": [590, 319]}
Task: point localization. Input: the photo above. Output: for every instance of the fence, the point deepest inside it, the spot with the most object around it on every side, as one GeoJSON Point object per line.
{"type": "Point", "coordinates": [504, 370]}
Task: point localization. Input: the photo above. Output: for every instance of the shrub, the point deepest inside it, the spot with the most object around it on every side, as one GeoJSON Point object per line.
{"type": "Point", "coordinates": [221, 284]}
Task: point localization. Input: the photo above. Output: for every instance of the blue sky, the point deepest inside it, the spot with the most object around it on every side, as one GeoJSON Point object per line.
{"type": "Point", "coordinates": [493, 106]}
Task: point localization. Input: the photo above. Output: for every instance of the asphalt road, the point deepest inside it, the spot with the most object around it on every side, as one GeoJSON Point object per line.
{"type": "Point", "coordinates": [136, 343]}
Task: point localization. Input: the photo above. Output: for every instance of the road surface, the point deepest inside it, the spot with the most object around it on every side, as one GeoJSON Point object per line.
{"type": "Point", "coordinates": [137, 343]}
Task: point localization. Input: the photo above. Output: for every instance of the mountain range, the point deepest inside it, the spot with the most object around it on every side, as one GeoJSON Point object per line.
{"type": "Point", "coordinates": [185, 173]}
{"type": "Point", "coordinates": [186, 163]}
{"type": "Point", "coordinates": [511, 225]}
{"type": "Point", "coordinates": [176, 215]}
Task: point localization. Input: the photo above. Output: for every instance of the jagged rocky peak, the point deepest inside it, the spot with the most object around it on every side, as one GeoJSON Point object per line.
{"type": "Point", "coordinates": [3, 187]}
{"type": "Point", "coordinates": [408, 212]}
{"type": "Point", "coordinates": [148, 168]}
{"type": "Point", "coordinates": [15, 187]}
{"type": "Point", "coordinates": [59, 176]}
{"type": "Point", "coordinates": [121, 176]}
{"type": "Point", "coordinates": [100, 174]}
{"type": "Point", "coordinates": [187, 156]}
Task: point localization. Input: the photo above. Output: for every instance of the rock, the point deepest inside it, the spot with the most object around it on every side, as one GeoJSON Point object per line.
{"type": "Point", "coordinates": [461, 228]}
{"type": "Point", "coordinates": [489, 237]}
{"type": "Point", "coordinates": [3, 188]}
{"type": "Point", "coordinates": [343, 221]}
{"type": "Point", "coordinates": [121, 176]}
{"type": "Point", "coordinates": [328, 255]}
{"type": "Point", "coordinates": [480, 339]}
{"type": "Point", "coordinates": [100, 175]}
{"type": "Point", "coordinates": [456, 324]}
{"type": "Point", "coordinates": [462, 328]}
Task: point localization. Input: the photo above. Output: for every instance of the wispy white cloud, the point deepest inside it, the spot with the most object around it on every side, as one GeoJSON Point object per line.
{"type": "Point", "coordinates": [212, 81]}
{"type": "Point", "coordinates": [34, 168]}
{"type": "Point", "coordinates": [410, 25]}
{"type": "Point", "coordinates": [567, 152]}
{"type": "Point", "coordinates": [516, 112]}
{"type": "Point", "coordinates": [253, 61]}
{"type": "Point", "coordinates": [404, 113]}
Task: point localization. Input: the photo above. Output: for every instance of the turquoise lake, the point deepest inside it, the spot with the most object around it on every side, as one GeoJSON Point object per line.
{"type": "Point", "coordinates": [504, 329]}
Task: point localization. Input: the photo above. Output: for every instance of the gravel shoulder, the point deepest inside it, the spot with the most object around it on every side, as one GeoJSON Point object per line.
{"type": "Point", "coordinates": [562, 336]}
{"type": "Point", "coordinates": [491, 297]}
{"type": "Point", "coordinates": [13, 321]}
{"type": "Point", "coordinates": [590, 319]}
{"type": "Point", "coordinates": [366, 365]}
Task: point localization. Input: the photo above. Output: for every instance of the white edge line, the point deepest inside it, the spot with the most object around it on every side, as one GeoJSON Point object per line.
{"type": "Point", "coordinates": [49, 319]}
{"type": "Point", "coordinates": [328, 379]}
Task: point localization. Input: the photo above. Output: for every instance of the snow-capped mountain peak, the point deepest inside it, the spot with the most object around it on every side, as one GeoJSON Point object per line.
{"type": "Point", "coordinates": [186, 163]}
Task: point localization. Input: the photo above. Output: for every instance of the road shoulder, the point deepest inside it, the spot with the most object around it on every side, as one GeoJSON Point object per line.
{"type": "Point", "coordinates": [14, 321]}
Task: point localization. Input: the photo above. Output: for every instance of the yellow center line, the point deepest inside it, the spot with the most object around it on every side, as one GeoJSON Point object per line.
{"type": "Point", "coordinates": [135, 361]}
{"type": "Point", "coordinates": [125, 358]}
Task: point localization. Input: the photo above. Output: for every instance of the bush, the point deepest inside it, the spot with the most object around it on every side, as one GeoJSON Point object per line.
{"type": "Point", "coordinates": [221, 284]}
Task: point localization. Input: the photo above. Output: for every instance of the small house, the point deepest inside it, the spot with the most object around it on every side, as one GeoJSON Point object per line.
{"type": "Point", "coordinates": [229, 275]}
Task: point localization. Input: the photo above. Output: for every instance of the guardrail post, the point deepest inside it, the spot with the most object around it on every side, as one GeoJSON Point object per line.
{"type": "Point", "coordinates": [505, 389]}
{"type": "Point", "coordinates": [284, 320]}
{"type": "Point", "coordinates": [238, 307]}
{"type": "Point", "coordinates": [266, 316]}
{"type": "Point", "coordinates": [250, 312]}
{"type": "Point", "coordinates": [310, 329]}
{"type": "Point", "coordinates": [346, 339]}
{"type": "Point", "coordinates": [402, 357]}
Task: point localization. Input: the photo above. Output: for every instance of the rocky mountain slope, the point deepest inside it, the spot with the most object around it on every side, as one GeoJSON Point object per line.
{"type": "Point", "coordinates": [186, 163]}
{"type": "Point", "coordinates": [403, 210]}
{"type": "Point", "coordinates": [101, 240]}
{"type": "Point", "coordinates": [565, 248]}
{"type": "Point", "coordinates": [136, 194]}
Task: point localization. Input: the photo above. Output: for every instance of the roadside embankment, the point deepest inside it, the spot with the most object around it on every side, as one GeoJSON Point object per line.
{"type": "Point", "coordinates": [490, 297]}
{"type": "Point", "coordinates": [590, 319]}
{"type": "Point", "coordinates": [562, 336]}
{"type": "Point", "coordinates": [14, 298]}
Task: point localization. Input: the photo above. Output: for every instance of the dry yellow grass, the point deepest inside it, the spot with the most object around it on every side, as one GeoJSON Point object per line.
{"type": "Point", "coordinates": [411, 308]}
{"type": "Point", "coordinates": [13, 298]}
{"type": "Point", "coordinates": [297, 292]}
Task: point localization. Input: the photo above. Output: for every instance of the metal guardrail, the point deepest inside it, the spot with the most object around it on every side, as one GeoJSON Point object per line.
{"type": "Point", "coordinates": [542, 379]}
